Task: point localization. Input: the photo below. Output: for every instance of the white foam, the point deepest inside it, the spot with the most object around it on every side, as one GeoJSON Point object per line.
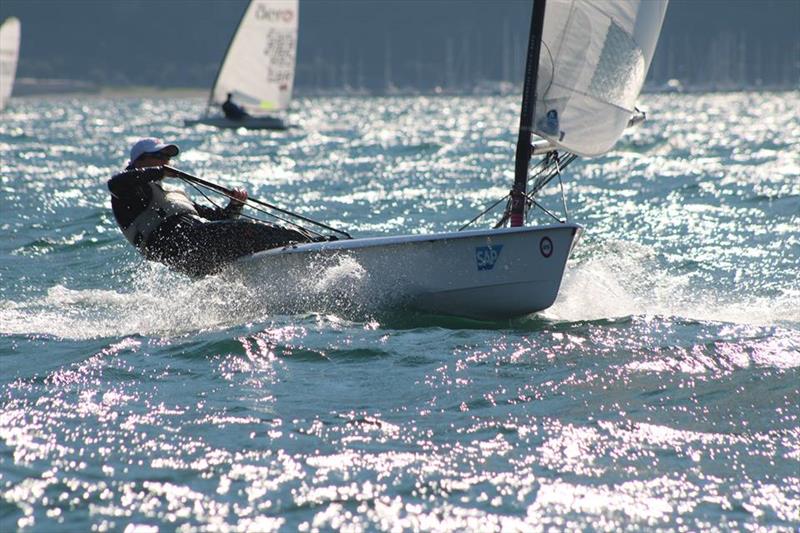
{"type": "Point", "coordinates": [170, 310]}
{"type": "Point", "coordinates": [161, 303]}
{"type": "Point", "coordinates": [625, 279]}
{"type": "Point", "coordinates": [330, 284]}
{"type": "Point", "coordinates": [619, 280]}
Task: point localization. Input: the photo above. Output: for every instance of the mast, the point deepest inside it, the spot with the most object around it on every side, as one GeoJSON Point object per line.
{"type": "Point", "coordinates": [523, 154]}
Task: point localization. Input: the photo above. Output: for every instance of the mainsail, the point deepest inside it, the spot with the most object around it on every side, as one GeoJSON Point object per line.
{"type": "Point", "coordinates": [9, 53]}
{"type": "Point", "coordinates": [592, 65]}
{"type": "Point", "coordinates": [260, 62]}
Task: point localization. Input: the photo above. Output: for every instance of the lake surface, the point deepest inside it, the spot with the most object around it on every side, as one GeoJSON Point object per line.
{"type": "Point", "coordinates": [661, 391]}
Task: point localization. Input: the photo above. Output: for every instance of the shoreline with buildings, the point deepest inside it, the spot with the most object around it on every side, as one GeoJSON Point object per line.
{"type": "Point", "coordinates": [33, 88]}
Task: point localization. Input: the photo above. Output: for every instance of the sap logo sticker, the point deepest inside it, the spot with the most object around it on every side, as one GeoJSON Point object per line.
{"type": "Point", "coordinates": [486, 256]}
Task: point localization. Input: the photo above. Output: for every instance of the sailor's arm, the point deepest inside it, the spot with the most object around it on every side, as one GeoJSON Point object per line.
{"type": "Point", "coordinates": [233, 210]}
{"type": "Point", "coordinates": [132, 178]}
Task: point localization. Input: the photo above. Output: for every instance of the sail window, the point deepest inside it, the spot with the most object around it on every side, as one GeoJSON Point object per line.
{"type": "Point", "coordinates": [620, 70]}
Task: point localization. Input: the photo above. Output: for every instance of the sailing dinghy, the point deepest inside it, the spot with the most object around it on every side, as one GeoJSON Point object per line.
{"type": "Point", "coordinates": [258, 67]}
{"type": "Point", "coordinates": [9, 54]}
{"type": "Point", "coordinates": [586, 64]}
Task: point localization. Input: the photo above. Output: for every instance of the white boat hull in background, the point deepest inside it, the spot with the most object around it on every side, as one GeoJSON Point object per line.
{"type": "Point", "coordinates": [485, 274]}
{"type": "Point", "coordinates": [252, 123]}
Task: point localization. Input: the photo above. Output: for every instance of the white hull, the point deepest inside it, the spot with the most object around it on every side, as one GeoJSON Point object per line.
{"type": "Point", "coordinates": [485, 274]}
{"type": "Point", "coordinates": [252, 123]}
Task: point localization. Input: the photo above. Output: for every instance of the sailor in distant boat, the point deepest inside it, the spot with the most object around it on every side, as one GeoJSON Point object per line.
{"type": "Point", "coordinates": [233, 111]}
{"type": "Point", "coordinates": [165, 225]}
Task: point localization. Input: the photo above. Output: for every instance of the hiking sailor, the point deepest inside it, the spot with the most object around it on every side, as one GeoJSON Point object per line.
{"type": "Point", "coordinates": [165, 225]}
{"type": "Point", "coordinates": [233, 111]}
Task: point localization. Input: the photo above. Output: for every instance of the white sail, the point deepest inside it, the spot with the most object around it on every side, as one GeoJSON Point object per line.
{"type": "Point", "coordinates": [260, 63]}
{"type": "Point", "coordinates": [593, 62]}
{"type": "Point", "coordinates": [9, 53]}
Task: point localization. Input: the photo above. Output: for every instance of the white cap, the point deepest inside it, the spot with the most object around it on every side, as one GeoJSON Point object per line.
{"type": "Point", "coordinates": [151, 145]}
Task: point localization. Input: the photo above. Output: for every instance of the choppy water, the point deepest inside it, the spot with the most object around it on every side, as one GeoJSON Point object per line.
{"type": "Point", "coordinates": [661, 391]}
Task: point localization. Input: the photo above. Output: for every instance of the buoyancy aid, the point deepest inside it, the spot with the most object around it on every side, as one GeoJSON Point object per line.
{"type": "Point", "coordinates": [166, 201]}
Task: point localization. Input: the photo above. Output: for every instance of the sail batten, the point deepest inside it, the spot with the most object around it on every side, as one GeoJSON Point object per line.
{"type": "Point", "coordinates": [595, 56]}
{"type": "Point", "coordinates": [259, 64]}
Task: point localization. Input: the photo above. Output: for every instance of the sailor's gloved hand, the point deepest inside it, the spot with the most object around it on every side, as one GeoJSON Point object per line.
{"type": "Point", "coordinates": [238, 198]}
{"type": "Point", "coordinates": [168, 172]}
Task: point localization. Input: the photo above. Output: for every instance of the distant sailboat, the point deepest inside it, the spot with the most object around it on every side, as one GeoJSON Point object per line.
{"type": "Point", "coordinates": [258, 67]}
{"type": "Point", "coordinates": [9, 54]}
{"type": "Point", "coordinates": [586, 64]}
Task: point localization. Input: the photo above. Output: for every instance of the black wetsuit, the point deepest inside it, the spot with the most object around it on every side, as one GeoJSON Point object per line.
{"type": "Point", "coordinates": [233, 111]}
{"type": "Point", "coordinates": [198, 241]}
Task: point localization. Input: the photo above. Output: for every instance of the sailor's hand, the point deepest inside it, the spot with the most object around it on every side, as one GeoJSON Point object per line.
{"type": "Point", "coordinates": [168, 172]}
{"type": "Point", "coordinates": [234, 209]}
{"type": "Point", "coordinates": [238, 197]}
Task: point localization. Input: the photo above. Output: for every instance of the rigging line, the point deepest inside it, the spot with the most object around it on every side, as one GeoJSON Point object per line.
{"type": "Point", "coordinates": [504, 218]}
{"type": "Point", "coordinates": [251, 206]}
{"type": "Point", "coordinates": [543, 164]}
{"type": "Point", "coordinates": [547, 178]}
{"type": "Point", "coordinates": [559, 165]}
{"type": "Point", "coordinates": [540, 174]}
{"type": "Point", "coordinates": [561, 183]}
{"type": "Point", "coordinates": [212, 202]}
{"type": "Point", "coordinates": [548, 163]}
{"type": "Point", "coordinates": [506, 214]}
{"type": "Point", "coordinates": [538, 170]}
{"type": "Point", "coordinates": [483, 212]}
{"type": "Point", "coordinates": [213, 186]}
{"type": "Point", "coordinates": [543, 208]}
